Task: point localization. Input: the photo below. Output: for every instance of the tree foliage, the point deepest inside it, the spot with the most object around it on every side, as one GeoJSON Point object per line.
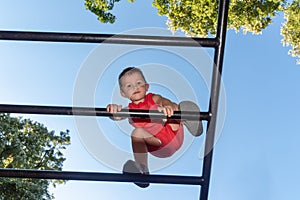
{"type": "Point", "coordinates": [101, 9]}
{"type": "Point", "coordinates": [199, 17]}
{"type": "Point", "coordinates": [25, 144]}
{"type": "Point", "coordinates": [291, 29]}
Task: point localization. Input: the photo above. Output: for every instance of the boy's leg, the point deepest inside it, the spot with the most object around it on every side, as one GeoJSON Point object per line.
{"type": "Point", "coordinates": [139, 140]}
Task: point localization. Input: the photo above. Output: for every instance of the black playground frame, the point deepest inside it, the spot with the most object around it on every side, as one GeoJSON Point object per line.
{"type": "Point", "coordinates": [218, 43]}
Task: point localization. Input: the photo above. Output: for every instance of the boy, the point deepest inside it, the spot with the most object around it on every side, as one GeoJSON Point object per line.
{"type": "Point", "coordinates": [161, 138]}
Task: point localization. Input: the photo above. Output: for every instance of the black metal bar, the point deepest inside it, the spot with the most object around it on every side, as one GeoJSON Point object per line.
{"type": "Point", "coordinates": [214, 97]}
{"type": "Point", "coordinates": [101, 112]}
{"type": "Point", "coordinates": [96, 176]}
{"type": "Point", "coordinates": [108, 38]}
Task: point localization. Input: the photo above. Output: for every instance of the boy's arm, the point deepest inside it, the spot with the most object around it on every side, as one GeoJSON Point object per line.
{"type": "Point", "coordinates": [165, 105]}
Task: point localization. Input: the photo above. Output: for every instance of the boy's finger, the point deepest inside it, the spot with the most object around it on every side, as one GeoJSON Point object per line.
{"type": "Point", "coordinates": [119, 108]}
{"type": "Point", "coordinates": [160, 108]}
{"type": "Point", "coordinates": [108, 108]}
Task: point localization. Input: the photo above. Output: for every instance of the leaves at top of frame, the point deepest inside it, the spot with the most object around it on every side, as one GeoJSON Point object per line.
{"type": "Point", "coordinates": [291, 29]}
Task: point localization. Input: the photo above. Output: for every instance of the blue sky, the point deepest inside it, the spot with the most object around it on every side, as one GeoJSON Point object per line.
{"type": "Point", "coordinates": [257, 153]}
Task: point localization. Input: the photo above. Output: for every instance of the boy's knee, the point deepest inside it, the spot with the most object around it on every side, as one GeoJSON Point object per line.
{"type": "Point", "coordinates": [138, 133]}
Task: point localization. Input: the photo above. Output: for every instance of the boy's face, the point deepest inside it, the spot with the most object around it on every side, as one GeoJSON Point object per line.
{"type": "Point", "coordinates": [134, 87]}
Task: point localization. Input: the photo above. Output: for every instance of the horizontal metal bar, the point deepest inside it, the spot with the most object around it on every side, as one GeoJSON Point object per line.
{"type": "Point", "coordinates": [96, 176]}
{"type": "Point", "coordinates": [108, 38]}
{"type": "Point", "coordinates": [101, 112]}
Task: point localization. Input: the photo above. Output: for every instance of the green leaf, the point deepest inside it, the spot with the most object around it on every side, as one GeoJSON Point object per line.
{"type": "Point", "coordinates": [26, 144]}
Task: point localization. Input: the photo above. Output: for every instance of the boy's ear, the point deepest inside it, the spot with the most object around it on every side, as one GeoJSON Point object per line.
{"type": "Point", "coordinates": [147, 86]}
{"type": "Point", "coordinates": [122, 93]}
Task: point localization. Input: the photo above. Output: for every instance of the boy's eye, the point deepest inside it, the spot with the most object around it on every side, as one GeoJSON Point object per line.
{"type": "Point", "coordinates": [139, 83]}
{"type": "Point", "coordinates": [128, 86]}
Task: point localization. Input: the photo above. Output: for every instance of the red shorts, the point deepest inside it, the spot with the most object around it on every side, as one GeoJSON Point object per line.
{"type": "Point", "coordinates": [171, 141]}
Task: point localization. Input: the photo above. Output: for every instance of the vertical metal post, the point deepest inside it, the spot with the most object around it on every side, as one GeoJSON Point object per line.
{"type": "Point", "coordinates": [214, 96]}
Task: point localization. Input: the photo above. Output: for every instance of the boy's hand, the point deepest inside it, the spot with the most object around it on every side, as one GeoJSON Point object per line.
{"type": "Point", "coordinates": [167, 109]}
{"type": "Point", "coordinates": [114, 108]}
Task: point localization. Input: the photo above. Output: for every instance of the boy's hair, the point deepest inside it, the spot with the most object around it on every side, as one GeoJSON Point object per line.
{"type": "Point", "coordinates": [128, 71]}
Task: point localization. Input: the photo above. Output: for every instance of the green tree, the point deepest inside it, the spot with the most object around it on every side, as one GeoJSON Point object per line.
{"type": "Point", "coordinates": [198, 18]}
{"type": "Point", "coordinates": [25, 144]}
{"type": "Point", "coordinates": [291, 29]}
{"type": "Point", "coordinates": [101, 9]}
